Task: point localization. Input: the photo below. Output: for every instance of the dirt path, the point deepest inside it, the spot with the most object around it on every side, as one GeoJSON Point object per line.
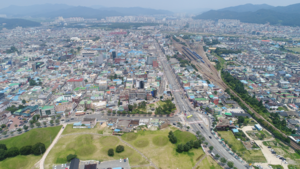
{"type": "Point", "coordinates": [151, 163]}
{"type": "Point", "coordinates": [42, 161]}
{"type": "Point", "coordinates": [195, 166]}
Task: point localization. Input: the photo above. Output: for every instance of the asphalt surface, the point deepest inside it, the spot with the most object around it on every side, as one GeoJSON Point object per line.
{"type": "Point", "coordinates": [184, 106]}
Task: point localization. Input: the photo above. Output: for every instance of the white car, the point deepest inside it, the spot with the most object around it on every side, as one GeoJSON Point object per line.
{"type": "Point", "coordinates": [120, 160]}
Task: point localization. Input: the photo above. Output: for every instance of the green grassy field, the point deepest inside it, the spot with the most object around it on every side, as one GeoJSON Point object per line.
{"type": "Point", "coordinates": [161, 151]}
{"type": "Point", "coordinates": [32, 137]}
{"type": "Point", "coordinates": [295, 49]}
{"type": "Point", "coordinates": [250, 156]}
{"type": "Point", "coordinates": [208, 163]}
{"type": "Point", "coordinates": [20, 162]}
{"type": "Point", "coordinates": [277, 166]}
{"type": "Point", "coordinates": [90, 147]}
{"type": "Point", "coordinates": [293, 166]}
{"type": "Point", "coordinates": [29, 138]}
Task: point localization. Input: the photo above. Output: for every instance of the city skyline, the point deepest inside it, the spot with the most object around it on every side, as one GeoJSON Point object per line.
{"type": "Point", "coordinates": [155, 4]}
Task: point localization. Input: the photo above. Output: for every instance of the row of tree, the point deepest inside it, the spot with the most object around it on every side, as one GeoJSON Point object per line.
{"type": "Point", "coordinates": [258, 106]}
{"type": "Point", "coordinates": [37, 149]}
{"type": "Point", "coordinates": [188, 146]}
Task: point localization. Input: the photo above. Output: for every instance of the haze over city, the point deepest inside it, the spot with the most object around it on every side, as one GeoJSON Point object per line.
{"type": "Point", "coordinates": [161, 84]}
{"type": "Point", "coordinates": [155, 4]}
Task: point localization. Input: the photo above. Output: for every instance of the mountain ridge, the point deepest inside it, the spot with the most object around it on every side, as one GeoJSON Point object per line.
{"type": "Point", "coordinates": [281, 15]}
{"type": "Point", "coordinates": [55, 10]}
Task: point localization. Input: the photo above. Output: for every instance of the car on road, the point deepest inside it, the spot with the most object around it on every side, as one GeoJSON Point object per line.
{"type": "Point", "coordinates": [62, 120]}
{"type": "Point", "coordinates": [72, 118]}
{"type": "Point", "coordinates": [174, 124]}
{"type": "Point", "coordinates": [209, 137]}
{"type": "Point", "coordinates": [124, 159]}
{"type": "Point", "coordinates": [199, 124]}
{"type": "Point", "coordinates": [120, 160]}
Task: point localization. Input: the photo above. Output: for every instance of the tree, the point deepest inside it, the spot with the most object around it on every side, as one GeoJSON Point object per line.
{"type": "Point", "coordinates": [196, 144]}
{"type": "Point", "coordinates": [12, 132]}
{"type": "Point", "coordinates": [111, 152]}
{"type": "Point", "coordinates": [38, 124]}
{"type": "Point", "coordinates": [4, 133]}
{"type": "Point", "coordinates": [23, 101]}
{"type": "Point", "coordinates": [241, 119]}
{"type": "Point", "coordinates": [38, 149]}
{"type": "Point", "coordinates": [25, 127]}
{"type": "Point", "coordinates": [31, 125]}
{"type": "Point", "coordinates": [19, 130]}
{"type": "Point", "coordinates": [230, 164]}
{"type": "Point", "coordinates": [58, 116]}
{"type": "Point", "coordinates": [25, 150]}
{"type": "Point", "coordinates": [57, 121]}
{"type": "Point", "coordinates": [223, 160]}
{"type": "Point", "coordinates": [188, 127]}
{"type": "Point", "coordinates": [3, 147]}
{"type": "Point", "coordinates": [217, 156]}
{"type": "Point", "coordinates": [16, 125]}
{"type": "Point", "coordinates": [119, 148]}
{"type": "Point", "coordinates": [211, 148]}
{"type": "Point", "coordinates": [3, 125]}
{"type": "Point", "coordinates": [71, 157]}
{"type": "Point", "coordinates": [2, 154]}
{"type": "Point", "coordinates": [180, 148]}
{"type": "Point", "coordinates": [186, 147]}
{"type": "Point", "coordinates": [45, 123]}
{"type": "Point", "coordinates": [172, 137]}
{"type": "Point", "coordinates": [12, 152]}
{"type": "Point", "coordinates": [51, 122]}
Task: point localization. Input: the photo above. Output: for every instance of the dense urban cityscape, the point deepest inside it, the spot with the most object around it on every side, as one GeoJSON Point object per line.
{"type": "Point", "coordinates": [149, 92]}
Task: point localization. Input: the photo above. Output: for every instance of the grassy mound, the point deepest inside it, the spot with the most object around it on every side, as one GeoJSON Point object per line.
{"type": "Point", "coordinates": [129, 136]}
{"type": "Point", "coordinates": [160, 140]}
{"type": "Point", "coordinates": [141, 143]}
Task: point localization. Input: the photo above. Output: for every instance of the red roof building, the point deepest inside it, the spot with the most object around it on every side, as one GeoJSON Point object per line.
{"type": "Point", "coordinates": [155, 64]}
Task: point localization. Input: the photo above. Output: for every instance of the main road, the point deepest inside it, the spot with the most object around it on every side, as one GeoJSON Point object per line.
{"type": "Point", "coordinates": [184, 106]}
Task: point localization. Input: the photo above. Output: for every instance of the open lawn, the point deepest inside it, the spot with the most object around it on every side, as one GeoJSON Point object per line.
{"type": "Point", "coordinates": [20, 162]}
{"type": "Point", "coordinates": [97, 129]}
{"type": "Point", "coordinates": [208, 163]}
{"type": "Point", "coordinates": [157, 147]}
{"type": "Point", "coordinates": [32, 137]}
{"type": "Point", "coordinates": [293, 166]}
{"type": "Point", "coordinates": [277, 166]}
{"type": "Point", "coordinates": [90, 147]}
{"type": "Point", "coordinates": [237, 146]}
{"type": "Point", "coordinates": [284, 150]}
{"type": "Point", "coordinates": [295, 49]}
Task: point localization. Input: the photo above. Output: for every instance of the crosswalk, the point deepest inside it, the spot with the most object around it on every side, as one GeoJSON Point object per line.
{"type": "Point", "coordinates": [193, 122]}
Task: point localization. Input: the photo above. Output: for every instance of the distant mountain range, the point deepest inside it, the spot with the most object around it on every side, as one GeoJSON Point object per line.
{"type": "Point", "coordinates": [55, 10]}
{"type": "Point", "coordinates": [12, 23]}
{"type": "Point", "coordinates": [249, 13]}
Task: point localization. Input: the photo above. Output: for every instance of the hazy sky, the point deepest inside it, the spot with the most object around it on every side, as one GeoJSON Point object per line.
{"type": "Point", "coordinates": [156, 4]}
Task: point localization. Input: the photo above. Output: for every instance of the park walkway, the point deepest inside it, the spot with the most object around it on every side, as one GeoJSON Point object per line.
{"type": "Point", "coordinates": [202, 158]}
{"type": "Point", "coordinates": [151, 163]}
{"type": "Point", "coordinates": [42, 161]}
